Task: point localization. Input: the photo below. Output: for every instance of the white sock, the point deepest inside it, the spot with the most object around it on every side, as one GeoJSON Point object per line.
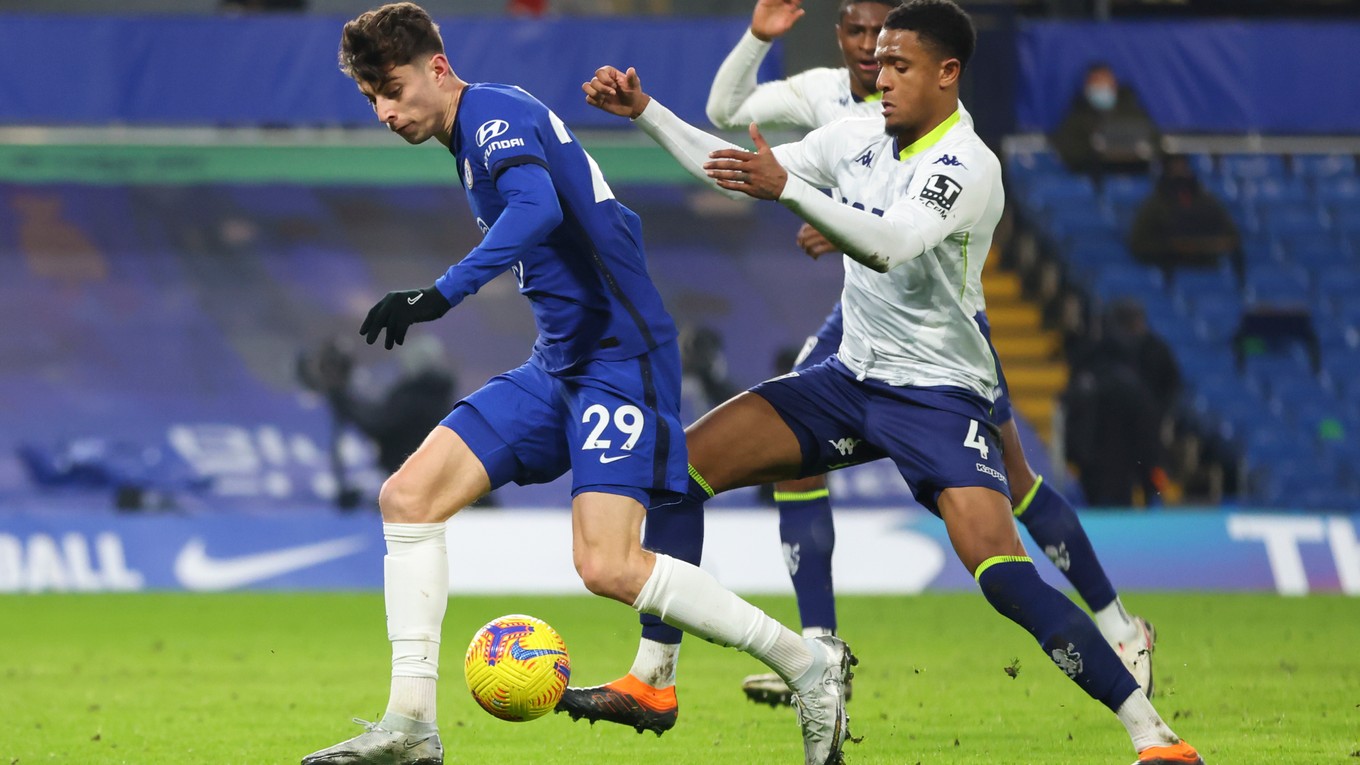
{"type": "Point", "coordinates": [812, 632]}
{"type": "Point", "coordinates": [416, 588]}
{"type": "Point", "coordinates": [687, 597]}
{"type": "Point", "coordinates": [655, 663]}
{"type": "Point", "coordinates": [1145, 726]}
{"type": "Point", "coordinates": [1114, 623]}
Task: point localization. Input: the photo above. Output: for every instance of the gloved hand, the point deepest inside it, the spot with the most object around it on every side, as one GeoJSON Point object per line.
{"type": "Point", "coordinates": [397, 311]}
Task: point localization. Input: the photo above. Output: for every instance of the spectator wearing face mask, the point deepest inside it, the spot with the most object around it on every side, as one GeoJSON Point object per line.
{"type": "Point", "coordinates": [1182, 224]}
{"type": "Point", "coordinates": [1106, 129]}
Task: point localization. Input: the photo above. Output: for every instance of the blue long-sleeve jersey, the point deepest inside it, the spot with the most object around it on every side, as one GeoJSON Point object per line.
{"type": "Point", "coordinates": [548, 214]}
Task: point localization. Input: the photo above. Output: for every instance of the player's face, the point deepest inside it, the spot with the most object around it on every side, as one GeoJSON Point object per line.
{"type": "Point", "coordinates": [857, 34]}
{"type": "Point", "coordinates": [912, 78]}
{"type": "Point", "coordinates": [409, 101]}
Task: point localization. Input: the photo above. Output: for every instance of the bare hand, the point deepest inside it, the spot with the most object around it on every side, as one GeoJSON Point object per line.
{"type": "Point", "coordinates": [814, 243]}
{"type": "Point", "coordinates": [772, 18]}
{"type": "Point", "coordinates": [754, 173]}
{"type": "Point", "coordinates": [616, 92]}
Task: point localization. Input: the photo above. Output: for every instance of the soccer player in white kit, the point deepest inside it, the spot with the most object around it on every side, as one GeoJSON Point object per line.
{"type": "Point", "coordinates": [919, 199]}
{"type": "Point", "coordinates": [806, 101]}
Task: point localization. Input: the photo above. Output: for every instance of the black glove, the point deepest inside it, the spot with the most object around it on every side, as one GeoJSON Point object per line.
{"type": "Point", "coordinates": [399, 310]}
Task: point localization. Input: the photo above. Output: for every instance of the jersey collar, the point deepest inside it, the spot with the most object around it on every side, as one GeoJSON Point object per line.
{"type": "Point", "coordinates": [872, 97]}
{"type": "Point", "coordinates": [929, 139]}
{"type": "Point", "coordinates": [456, 144]}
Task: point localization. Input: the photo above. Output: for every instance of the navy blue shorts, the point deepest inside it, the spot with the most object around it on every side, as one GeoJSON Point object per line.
{"type": "Point", "coordinates": [939, 437]}
{"type": "Point", "coordinates": [820, 346]}
{"type": "Point", "coordinates": [614, 424]}
{"type": "Point", "coordinates": [1001, 395]}
{"type": "Point", "coordinates": [827, 341]}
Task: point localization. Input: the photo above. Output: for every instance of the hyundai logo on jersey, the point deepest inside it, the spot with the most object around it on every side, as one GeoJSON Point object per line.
{"type": "Point", "coordinates": [490, 129]}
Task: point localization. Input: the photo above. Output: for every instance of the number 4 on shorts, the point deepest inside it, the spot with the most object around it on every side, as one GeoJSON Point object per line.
{"type": "Point", "coordinates": [974, 440]}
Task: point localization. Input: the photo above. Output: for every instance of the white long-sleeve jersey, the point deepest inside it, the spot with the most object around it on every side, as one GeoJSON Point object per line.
{"type": "Point", "coordinates": [928, 212]}
{"type": "Point", "coordinates": [807, 100]}
{"type": "Point", "coordinates": [916, 224]}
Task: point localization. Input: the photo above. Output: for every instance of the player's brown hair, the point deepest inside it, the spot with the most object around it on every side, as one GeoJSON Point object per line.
{"type": "Point", "coordinates": [393, 35]}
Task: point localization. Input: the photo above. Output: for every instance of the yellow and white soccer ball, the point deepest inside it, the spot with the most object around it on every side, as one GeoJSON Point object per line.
{"type": "Point", "coordinates": [517, 667]}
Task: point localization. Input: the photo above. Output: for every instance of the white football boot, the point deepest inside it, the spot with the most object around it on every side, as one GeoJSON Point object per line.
{"type": "Point", "coordinates": [821, 705]}
{"type": "Point", "coordinates": [379, 745]}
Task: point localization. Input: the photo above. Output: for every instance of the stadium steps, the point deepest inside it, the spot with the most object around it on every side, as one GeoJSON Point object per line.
{"type": "Point", "coordinates": [1029, 353]}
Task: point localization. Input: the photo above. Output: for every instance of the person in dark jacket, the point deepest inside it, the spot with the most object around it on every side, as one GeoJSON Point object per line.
{"type": "Point", "coordinates": [1106, 129]}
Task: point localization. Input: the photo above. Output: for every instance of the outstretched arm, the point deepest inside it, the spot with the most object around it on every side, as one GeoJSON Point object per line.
{"type": "Point", "coordinates": [621, 94]}
{"type": "Point", "coordinates": [734, 99]}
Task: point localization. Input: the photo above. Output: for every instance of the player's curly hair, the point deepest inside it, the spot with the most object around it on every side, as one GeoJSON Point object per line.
{"type": "Point", "coordinates": [941, 23]}
{"type": "Point", "coordinates": [393, 35]}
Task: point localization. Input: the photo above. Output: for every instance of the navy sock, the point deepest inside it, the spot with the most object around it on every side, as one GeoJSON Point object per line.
{"type": "Point", "coordinates": [676, 530]}
{"type": "Point", "coordinates": [1066, 633]}
{"type": "Point", "coordinates": [1053, 523]}
{"type": "Point", "coordinates": [809, 536]}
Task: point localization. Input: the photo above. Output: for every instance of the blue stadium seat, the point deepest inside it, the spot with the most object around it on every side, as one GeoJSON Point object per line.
{"type": "Point", "coordinates": [1203, 164]}
{"type": "Point", "coordinates": [1126, 190]}
{"type": "Point", "coordinates": [1340, 190]}
{"type": "Point", "coordinates": [1276, 189]}
{"type": "Point", "coordinates": [1314, 166]}
{"type": "Point", "coordinates": [1090, 255]}
{"type": "Point", "coordinates": [1334, 337]}
{"type": "Point", "coordinates": [1349, 315]}
{"type": "Point", "coordinates": [1346, 222]}
{"type": "Point", "coordinates": [1128, 281]}
{"type": "Point", "coordinates": [1253, 166]}
{"type": "Point", "coordinates": [1191, 284]}
{"type": "Point", "coordinates": [1047, 192]}
{"type": "Point", "coordinates": [1277, 284]}
{"type": "Point", "coordinates": [1075, 223]}
{"type": "Point", "coordinates": [1259, 249]}
{"type": "Point", "coordinates": [1279, 218]}
{"type": "Point", "coordinates": [1202, 360]}
{"type": "Point", "coordinates": [1226, 188]}
{"type": "Point", "coordinates": [1217, 316]}
{"type": "Point", "coordinates": [1314, 250]}
{"type": "Point", "coordinates": [1267, 371]}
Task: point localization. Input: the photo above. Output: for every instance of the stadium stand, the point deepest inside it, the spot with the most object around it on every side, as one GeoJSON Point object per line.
{"type": "Point", "coordinates": [1288, 404]}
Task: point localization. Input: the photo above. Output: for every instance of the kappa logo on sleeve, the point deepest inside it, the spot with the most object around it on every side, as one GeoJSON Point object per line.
{"type": "Point", "coordinates": [490, 129]}
{"type": "Point", "coordinates": [940, 193]}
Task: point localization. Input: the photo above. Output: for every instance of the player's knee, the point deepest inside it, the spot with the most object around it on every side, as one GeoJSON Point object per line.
{"type": "Point", "coordinates": [607, 577]}
{"type": "Point", "coordinates": [401, 501]}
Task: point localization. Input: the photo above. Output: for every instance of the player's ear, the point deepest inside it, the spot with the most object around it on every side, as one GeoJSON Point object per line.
{"type": "Point", "coordinates": [950, 69]}
{"type": "Point", "coordinates": [439, 66]}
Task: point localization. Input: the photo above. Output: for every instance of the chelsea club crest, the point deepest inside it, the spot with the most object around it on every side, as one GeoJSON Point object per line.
{"type": "Point", "coordinates": [467, 173]}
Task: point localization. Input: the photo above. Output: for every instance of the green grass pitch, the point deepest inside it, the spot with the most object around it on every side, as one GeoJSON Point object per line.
{"type": "Point", "coordinates": [267, 678]}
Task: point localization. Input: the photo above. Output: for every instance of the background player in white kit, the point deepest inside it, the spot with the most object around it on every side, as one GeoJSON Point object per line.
{"type": "Point", "coordinates": [806, 101]}
{"type": "Point", "coordinates": [914, 376]}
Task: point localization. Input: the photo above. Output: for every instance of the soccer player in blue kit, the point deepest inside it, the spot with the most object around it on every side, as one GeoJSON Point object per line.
{"type": "Point", "coordinates": [599, 395]}
{"type": "Point", "coordinates": [915, 376]}
{"type": "Point", "coordinates": [806, 101]}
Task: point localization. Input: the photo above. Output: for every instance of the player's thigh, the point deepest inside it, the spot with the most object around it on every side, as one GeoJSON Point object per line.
{"type": "Point", "coordinates": [1018, 470]}
{"type": "Point", "coordinates": [797, 425]}
{"type": "Point", "coordinates": [980, 524]}
{"type": "Point", "coordinates": [743, 442]}
{"type": "Point", "coordinates": [442, 477]}
{"type": "Point", "coordinates": [622, 427]}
